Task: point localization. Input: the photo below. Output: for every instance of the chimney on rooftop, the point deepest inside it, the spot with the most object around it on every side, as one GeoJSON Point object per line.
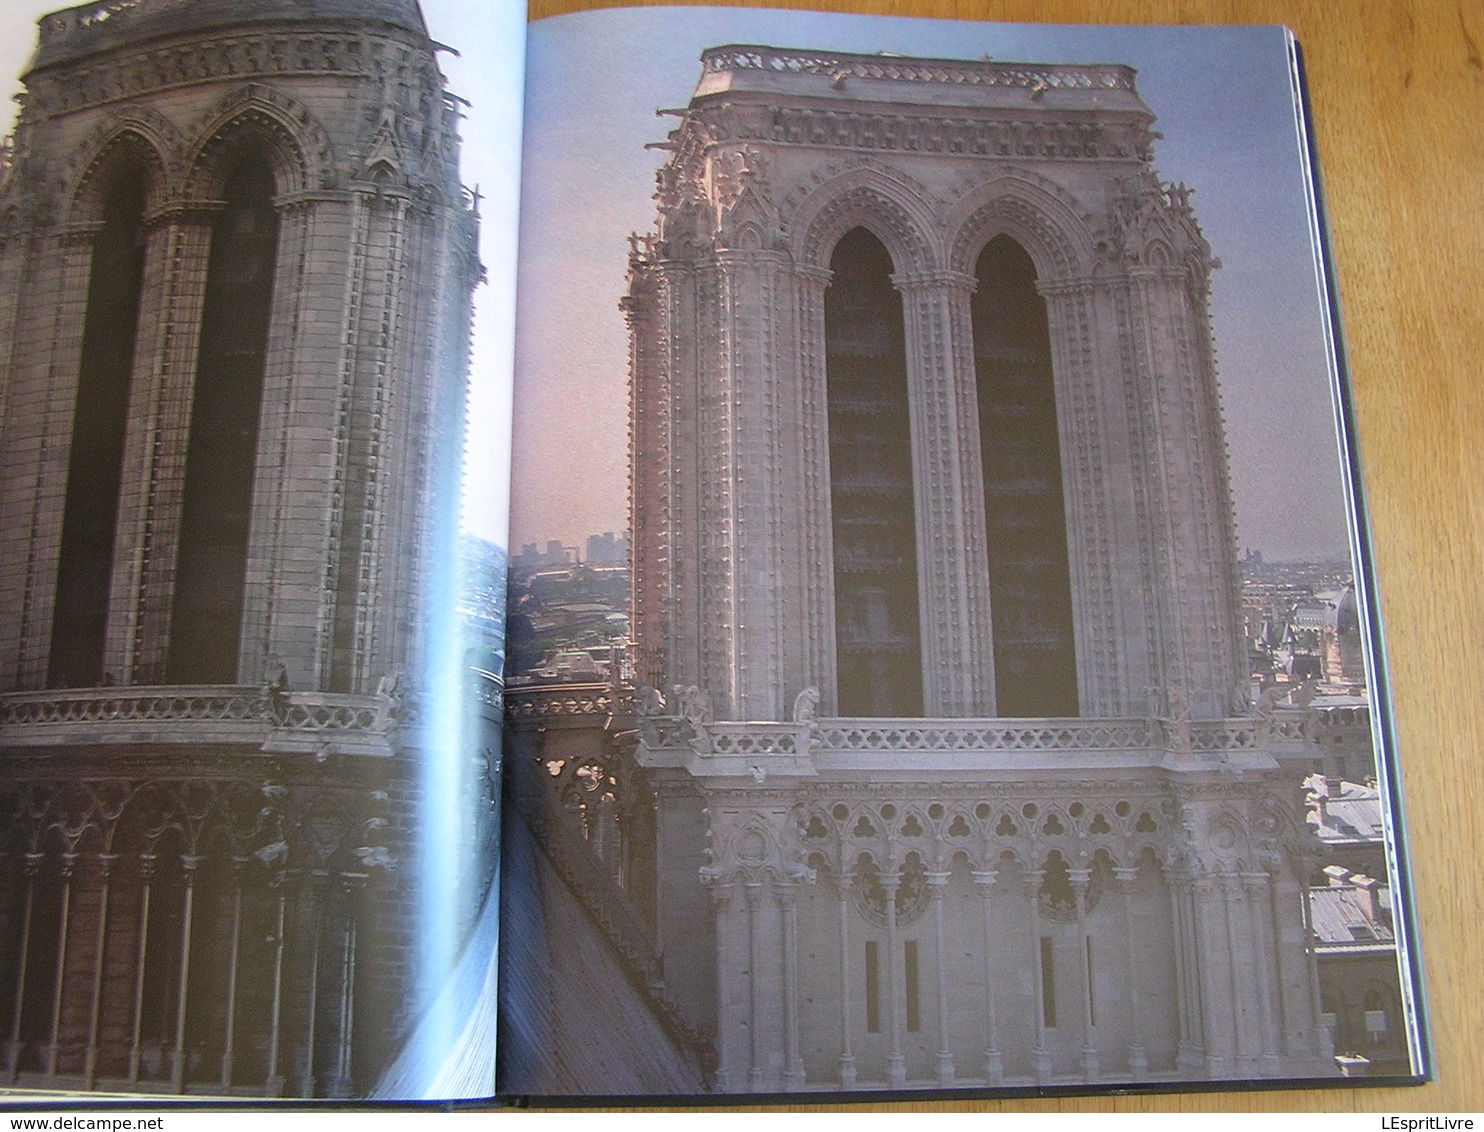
{"type": "Point", "coordinates": [1371, 905]}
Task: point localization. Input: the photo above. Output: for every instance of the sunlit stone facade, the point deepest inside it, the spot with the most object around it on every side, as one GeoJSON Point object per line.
{"type": "Point", "coordinates": [235, 273]}
{"type": "Point", "coordinates": [946, 717]}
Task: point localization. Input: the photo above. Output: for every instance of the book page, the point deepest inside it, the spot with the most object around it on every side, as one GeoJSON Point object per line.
{"type": "Point", "coordinates": [936, 655]}
{"type": "Point", "coordinates": [257, 265]}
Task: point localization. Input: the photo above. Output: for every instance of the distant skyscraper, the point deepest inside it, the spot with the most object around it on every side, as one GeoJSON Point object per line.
{"type": "Point", "coordinates": [235, 274]}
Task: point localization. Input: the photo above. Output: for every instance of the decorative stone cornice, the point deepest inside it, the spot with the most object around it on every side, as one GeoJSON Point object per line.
{"type": "Point", "coordinates": [914, 134]}
{"type": "Point", "coordinates": [582, 704]}
{"type": "Point", "coordinates": [217, 58]}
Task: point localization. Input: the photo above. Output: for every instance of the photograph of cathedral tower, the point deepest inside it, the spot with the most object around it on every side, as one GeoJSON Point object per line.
{"type": "Point", "coordinates": [933, 540]}
{"type": "Point", "coordinates": [937, 758]}
{"type": "Point", "coordinates": [236, 266]}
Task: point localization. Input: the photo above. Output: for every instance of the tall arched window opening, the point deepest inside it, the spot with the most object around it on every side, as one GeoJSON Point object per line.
{"type": "Point", "coordinates": [94, 468]}
{"type": "Point", "coordinates": [1030, 583]}
{"type": "Point", "coordinates": [221, 455]}
{"type": "Point", "coordinates": [878, 644]}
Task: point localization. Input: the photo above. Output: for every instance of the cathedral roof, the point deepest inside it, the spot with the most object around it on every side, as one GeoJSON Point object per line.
{"type": "Point", "coordinates": [106, 24]}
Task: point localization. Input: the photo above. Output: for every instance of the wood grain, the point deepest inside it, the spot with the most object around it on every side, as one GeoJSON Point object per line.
{"type": "Point", "coordinates": [1397, 92]}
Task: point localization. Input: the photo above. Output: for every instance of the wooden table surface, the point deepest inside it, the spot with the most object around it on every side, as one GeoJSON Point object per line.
{"type": "Point", "coordinates": [1397, 90]}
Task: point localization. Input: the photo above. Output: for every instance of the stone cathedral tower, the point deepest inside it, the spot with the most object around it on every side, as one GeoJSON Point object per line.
{"type": "Point", "coordinates": [236, 265]}
{"type": "Point", "coordinates": [957, 779]}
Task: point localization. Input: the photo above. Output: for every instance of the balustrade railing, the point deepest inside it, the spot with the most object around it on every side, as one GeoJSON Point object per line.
{"type": "Point", "coordinates": [117, 712]}
{"type": "Point", "coordinates": [966, 72]}
{"type": "Point", "coordinates": [980, 735]}
{"type": "Point", "coordinates": [546, 704]}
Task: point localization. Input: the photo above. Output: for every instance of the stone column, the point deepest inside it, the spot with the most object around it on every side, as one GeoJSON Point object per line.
{"type": "Point", "coordinates": [1113, 662]}
{"type": "Point", "coordinates": [1165, 337]}
{"type": "Point", "coordinates": [293, 440]}
{"type": "Point", "coordinates": [189, 863]}
{"type": "Point", "coordinates": [896, 1062]}
{"type": "Point", "coordinates": [152, 489]}
{"type": "Point", "coordinates": [1264, 954]}
{"type": "Point", "coordinates": [816, 535]}
{"type": "Point", "coordinates": [1286, 1021]}
{"type": "Point", "coordinates": [13, 1050]}
{"type": "Point", "coordinates": [100, 949]}
{"type": "Point", "coordinates": [847, 1057]}
{"type": "Point", "coordinates": [756, 1073]}
{"type": "Point", "coordinates": [146, 873]}
{"type": "Point", "coordinates": [684, 604]}
{"type": "Point", "coordinates": [938, 882]}
{"type": "Point", "coordinates": [948, 494]}
{"type": "Point", "coordinates": [339, 1084]}
{"type": "Point", "coordinates": [273, 1083]}
{"type": "Point", "coordinates": [1324, 1039]}
{"type": "Point", "coordinates": [315, 907]}
{"type": "Point", "coordinates": [650, 489]}
{"type": "Point", "coordinates": [793, 1061]}
{"type": "Point", "coordinates": [1211, 957]}
{"type": "Point", "coordinates": [728, 1075]}
{"type": "Point", "coordinates": [758, 423]}
{"type": "Point", "coordinates": [1081, 879]}
{"type": "Point", "coordinates": [1040, 1056]}
{"type": "Point", "coordinates": [15, 267]}
{"type": "Point", "coordinates": [994, 1069]}
{"type": "Point", "coordinates": [1138, 1061]}
{"type": "Point", "coordinates": [1191, 1056]}
{"type": "Point", "coordinates": [35, 447]}
{"type": "Point", "coordinates": [64, 921]}
{"type": "Point", "coordinates": [1231, 898]}
{"type": "Point", "coordinates": [234, 940]}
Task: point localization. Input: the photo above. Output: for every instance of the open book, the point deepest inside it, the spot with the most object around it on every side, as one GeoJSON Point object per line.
{"type": "Point", "coordinates": [923, 666]}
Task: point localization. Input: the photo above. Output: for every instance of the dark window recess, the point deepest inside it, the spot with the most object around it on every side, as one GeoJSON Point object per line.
{"type": "Point", "coordinates": [95, 459]}
{"type": "Point", "coordinates": [1030, 582]}
{"type": "Point", "coordinates": [221, 456]}
{"type": "Point", "coordinates": [914, 999]}
{"type": "Point", "coordinates": [878, 643]}
{"type": "Point", "coordinates": [873, 989]}
{"type": "Point", "coordinates": [1048, 984]}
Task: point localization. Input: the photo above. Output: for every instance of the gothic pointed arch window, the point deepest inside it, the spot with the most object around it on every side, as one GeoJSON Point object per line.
{"type": "Point", "coordinates": [221, 456]}
{"type": "Point", "coordinates": [1025, 515]}
{"type": "Point", "coordinates": [95, 460]}
{"type": "Point", "coordinates": [877, 635]}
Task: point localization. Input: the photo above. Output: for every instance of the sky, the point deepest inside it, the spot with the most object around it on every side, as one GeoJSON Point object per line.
{"type": "Point", "coordinates": [595, 82]}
